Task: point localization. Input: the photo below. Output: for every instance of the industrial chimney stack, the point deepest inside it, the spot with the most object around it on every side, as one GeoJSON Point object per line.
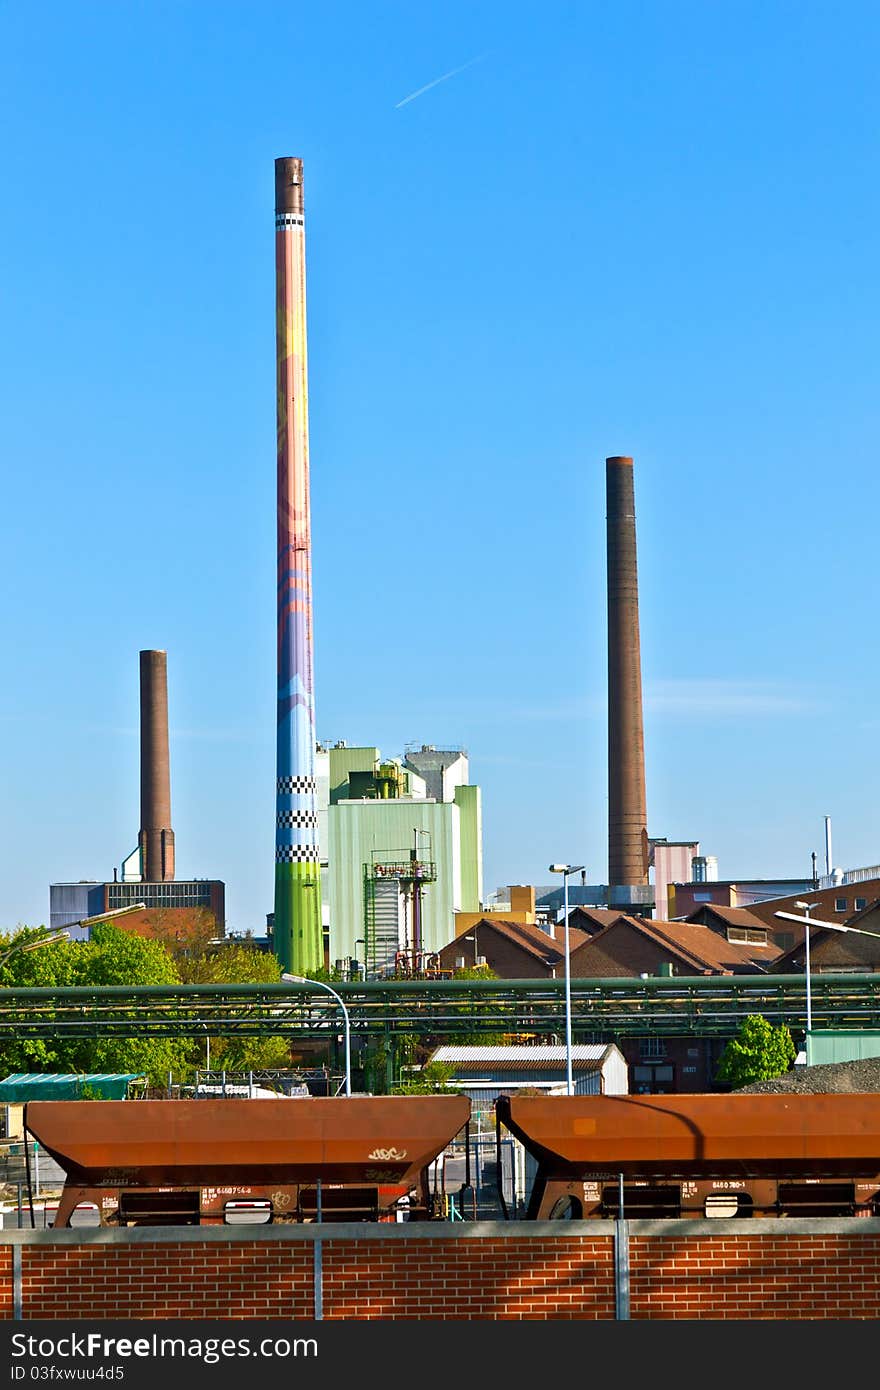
{"type": "Point", "coordinates": [628, 849]}
{"type": "Point", "coordinates": [298, 933]}
{"type": "Point", "coordinates": [155, 838]}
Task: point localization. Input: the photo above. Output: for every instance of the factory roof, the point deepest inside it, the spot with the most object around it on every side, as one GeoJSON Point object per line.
{"type": "Point", "coordinates": [584, 1057]}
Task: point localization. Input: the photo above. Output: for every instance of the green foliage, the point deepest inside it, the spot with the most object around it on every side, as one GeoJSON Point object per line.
{"type": "Point", "coordinates": [111, 957]}
{"type": "Point", "coordinates": [375, 1063]}
{"type": "Point", "coordinates": [329, 977]}
{"type": "Point", "coordinates": [231, 963]}
{"type": "Point", "coordinates": [759, 1052]}
{"type": "Point", "coordinates": [234, 963]}
{"type": "Point", "coordinates": [87, 1091]}
{"type": "Point", "coordinates": [250, 1054]}
{"type": "Point", "coordinates": [427, 1082]}
{"type": "Point", "coordinates": [116, 957]}
{"type": "Point", "coordinates": [50, 967]}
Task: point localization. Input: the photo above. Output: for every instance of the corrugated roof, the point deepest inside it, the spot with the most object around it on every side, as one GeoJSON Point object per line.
{"type": "Point", "coordinates": [35, 1085]}
{"type": "Point", "coordinates": [584, 1057]}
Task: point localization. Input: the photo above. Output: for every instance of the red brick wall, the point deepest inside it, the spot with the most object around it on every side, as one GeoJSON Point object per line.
{"type": "Point", "coordinates": [553, 1277]}
{"type": "Point", "coordinates": [461, 1273]}
{"type": "Point", "coordinates": [166, 1280]}
{"type": "Point", "coordinates": [5, 1282]}
{"type": "Point", "coordinates": [762, 1276]}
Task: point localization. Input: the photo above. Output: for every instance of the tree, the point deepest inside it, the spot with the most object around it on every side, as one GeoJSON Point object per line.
{"type": "Point", "coordinates": [111, 956]}
{"type": "Point", "coordinates": [430, 1080]}
{"type": "Point", "coordinates": [52, 966]}
{"type": "Point", "coordinates": [235, 963]}
{"type": "Point", "coordinates": [759, 1052]}
{"type": "Point", "coordinates": [184, 932]}
{"type": "Point", "coordinates": [230, 963]}
{"type": "Point", "coordinates": [251, 1054]}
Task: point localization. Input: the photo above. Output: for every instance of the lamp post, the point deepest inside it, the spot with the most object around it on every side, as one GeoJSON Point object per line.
{"type": "Point", "coordinates": [809, 921]}
{"type": "Point", "coordinates": [473, 938]}
{"type": "Point", "coordinates": [806, 908]}
{"type": "Point", "coordinates": [49, 940]}
{"type": "Point", "coordinates": [101, 917]}
{"type": "Point", "coordinates": [565, 870]}
{"type": "Point", "coordinates": [320, 984]}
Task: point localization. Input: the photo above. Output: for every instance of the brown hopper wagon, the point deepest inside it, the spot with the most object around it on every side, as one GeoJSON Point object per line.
{"type": "Point", "coordinates": [699, 1155]}
{"type": "Point", "coordinates": [191, 1162]}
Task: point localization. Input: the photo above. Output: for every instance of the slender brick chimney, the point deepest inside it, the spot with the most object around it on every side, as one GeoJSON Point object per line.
{"type": "Point", "coordinates": [628, 850]}
{"type": "Point", "coordinates": [155, 838]}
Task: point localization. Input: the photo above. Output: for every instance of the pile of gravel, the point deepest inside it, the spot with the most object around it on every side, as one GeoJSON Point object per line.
{"type": "Point", "coordinates": [861, 1075]}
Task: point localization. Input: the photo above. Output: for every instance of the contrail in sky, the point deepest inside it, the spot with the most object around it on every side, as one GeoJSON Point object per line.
{"type": "Point", "coordinates": [437, 80]}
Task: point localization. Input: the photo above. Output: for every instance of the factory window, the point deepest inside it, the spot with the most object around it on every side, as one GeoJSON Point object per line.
{"type": "Point", "coordinates": [652, 1047]}
{"type": "Point", "coordinates": [840, 904]}
{"type": "Point", "coordinates": [860, 903]}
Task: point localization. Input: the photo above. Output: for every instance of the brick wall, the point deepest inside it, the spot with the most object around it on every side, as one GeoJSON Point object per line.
{"type": "Point", "coordinates": [795, 1275]}
{"type": "Point", "coordinates": [694, 1269]}
{"type": "Point", "coordinates": [6, 1308]}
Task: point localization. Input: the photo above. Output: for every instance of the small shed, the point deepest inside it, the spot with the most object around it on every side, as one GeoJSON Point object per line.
{"type": "Point", "coordinates": [484, 1073]}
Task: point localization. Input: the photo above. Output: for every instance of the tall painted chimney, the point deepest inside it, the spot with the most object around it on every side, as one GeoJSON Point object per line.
{"type": "Point", "coordinates": [297, 933]}
{"type": "Point", "coordinates": [155, 838]}
{"type": "Point", "coordinates": [628, 849]}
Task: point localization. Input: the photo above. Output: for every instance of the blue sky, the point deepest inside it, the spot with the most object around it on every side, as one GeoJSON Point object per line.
{"type": "Point", "coordinates": [640, 228]}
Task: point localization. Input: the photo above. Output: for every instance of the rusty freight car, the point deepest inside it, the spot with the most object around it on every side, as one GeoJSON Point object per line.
{"type": "Point", "coordinates": [197, 1162]}
{"type": "Point", "coordinates": [709, 1155]}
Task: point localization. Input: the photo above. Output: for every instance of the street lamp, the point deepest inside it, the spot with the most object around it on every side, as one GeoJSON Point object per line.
{"type": "Point", "coordinates": [565, 870]}
{"type": "Point", "coordinates": [806, 908]}
{"type": "Point", "coordinates": [473, 938]}
{"type": "Point", "coordinates": [830, 926]}
{"type": "Point", "coordinates": [826, 926]}
{"type": "Point", "coordinates": [320, 984]}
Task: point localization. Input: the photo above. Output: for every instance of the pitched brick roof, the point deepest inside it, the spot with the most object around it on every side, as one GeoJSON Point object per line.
{"type": "Point", "coordinates": [733, 916]}
{"type": "Point", "coordinates": [598, 916]}
{"type": "Point", "coordinates": [700, 949]}
{"type": "Point", "coordinates": [549, 949]}
{"type": "Point", "coordinates": [718, 953]}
